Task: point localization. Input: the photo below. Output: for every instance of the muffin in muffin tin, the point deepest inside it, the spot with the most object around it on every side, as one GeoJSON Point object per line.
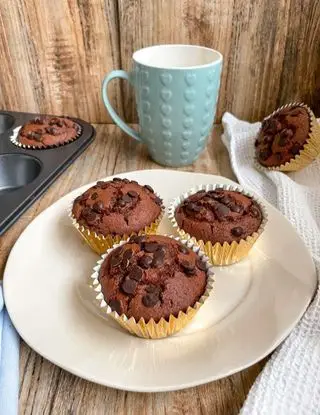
{"type": "Point", "coordinates": [46, 132]}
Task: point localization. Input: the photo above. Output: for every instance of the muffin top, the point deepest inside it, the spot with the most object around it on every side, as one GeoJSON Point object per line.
{"type": "Point", "coordinates": [152, 277]}
{"type": "Point", "coordinates": [219, 216]}
{"type": "Point", "coordinates": [282, 136]}
{"type": "Point", "coordinates": [48, 131]}
{"type": "Point", "coordinates": [118, 207]}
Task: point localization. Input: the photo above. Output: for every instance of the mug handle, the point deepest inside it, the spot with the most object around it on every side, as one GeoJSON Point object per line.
{"type": "Point", "coordinates": [123, 75]}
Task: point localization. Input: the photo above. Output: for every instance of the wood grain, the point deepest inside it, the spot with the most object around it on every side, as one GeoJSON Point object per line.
{"type": "Point", "coordinates": [271, 48]}
{"type": "Point", "coordinates": [55, 62]}
{"type": "Point", "coordinates": [55, 54]}
{"type": "Point", "coordinates": [45, 388]}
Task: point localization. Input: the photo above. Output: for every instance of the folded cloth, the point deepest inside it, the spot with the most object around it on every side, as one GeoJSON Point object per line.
{"type": "Point", "coordinates": [290, 382]}
{"type": "Point", "coordinates": [9, 363]}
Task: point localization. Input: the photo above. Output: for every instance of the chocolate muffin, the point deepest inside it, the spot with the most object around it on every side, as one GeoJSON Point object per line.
{"type": "Point", "coordinates": [118, 207]}
{"type": "Point", "coordinates": [282, 136]}
{"type": "Point", "coordinates": [48, 131]}
{"type": "Point", "coordinates": [152, 277]}
{"type": "Point", "coordinates": [219, 216]}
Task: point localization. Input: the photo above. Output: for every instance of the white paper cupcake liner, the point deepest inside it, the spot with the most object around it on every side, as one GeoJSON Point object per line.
{"type": "Point", "coordinates": [15, 134]}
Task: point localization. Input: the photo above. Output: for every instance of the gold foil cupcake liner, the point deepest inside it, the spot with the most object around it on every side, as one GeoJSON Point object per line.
{"type": "Point", "coordinates": [151, 329]}
{"type": "Point", "coordinates": [311, 149]}
{"type": "Point", "coordinates": [226, 253]}
{"type": "Point", "coordinates": [100, 243]}
{"type": "Point", "coordinates": [15, 134]}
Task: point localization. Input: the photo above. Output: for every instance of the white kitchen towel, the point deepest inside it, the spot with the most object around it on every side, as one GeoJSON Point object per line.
{"type": "Point", "coordinates": [290, 382]}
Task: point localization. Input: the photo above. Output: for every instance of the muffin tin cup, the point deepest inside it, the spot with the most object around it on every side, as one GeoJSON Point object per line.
{"type": "Point", "coordinates": [15, 134]}
{"type": "Point", "coordinates": [310, 151]}
{"type": "Point", "coordinates": [150, 329]}
{"type": "Point", "coordinates": [218, 253]}
{"type": "Point", "coordinates": [100, 243]}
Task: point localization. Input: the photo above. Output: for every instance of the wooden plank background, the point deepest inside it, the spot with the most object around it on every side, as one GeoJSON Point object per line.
{"type": "Point", "coordinates": [54, 54]}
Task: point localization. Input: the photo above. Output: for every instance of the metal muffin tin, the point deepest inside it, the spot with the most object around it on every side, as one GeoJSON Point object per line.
{"type": "Point", "coordinates": [26, 173]}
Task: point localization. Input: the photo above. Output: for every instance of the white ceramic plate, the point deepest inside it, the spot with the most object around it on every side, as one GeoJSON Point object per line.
{"type": "Point", "coordinates": [255, 303]}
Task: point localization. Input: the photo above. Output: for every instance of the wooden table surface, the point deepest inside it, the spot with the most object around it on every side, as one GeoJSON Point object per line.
{"type": "Point", "coordinates": [47, 389]}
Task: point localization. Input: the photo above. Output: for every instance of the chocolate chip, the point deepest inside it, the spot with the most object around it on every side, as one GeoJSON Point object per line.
{"type": "Point", "coordinates": [221, 211]}
{"type": "Point", "coordinates": [115, 306]}
{"type": "Point", "coordinates": [51, 130]}
{"type": "Point", "coordinates": [158, 259]}
{"type": "Point", "coordinates": [117, 179]}
{"type": "Point", "coordinates": [150, 300]}
{"type": "Point", "coordinates": [201, 265]}
{"type": "Point", "coordinates": [125, 263]}
{"type": "Point", "coordinates": [237, 231]}
{"type": "Point", "coordinates": [265, 154]}
{"type": "Point", "coordinates": [150, 246]}
{"type": "Point", "coordinates": [183, 249]}
{"type": "Point", "coordinates": [158, 201]}
{"type": "Point", "coordinates": [53, 121]}
{"type": "Point", "coordinates": [162, 249]}
{"type": "Point", "coordinates": [98, 207]}
{"type": "Point", "coordinates": [38, 121]}
{"type": "Point", "coordinates": [37, 136]}
{"type": "Point", "coordinates": [283, 141]}
{"type": "Point", "coordinates": [192, 207]}
{"type": "Point", "coordinates": [88, 214]}
{"type": "Point", "coordinates": [197, 196]}
{"type": "Point", "coordinates": [188, 267]}
{"type": "Point", "coordinates": [34, 136]}
{"type": "Point", "coordinates": [91, 217]}
{"type": "Point", "coordinates": [256, 143]}
{"type": "Point", "coordinates": [115, 260]}
{"type": "Point", "coordinates": [254, 211]}
{"type": "Point", "coordinates": [126, 198]}
{"type": "Point", "coordinates": [94, 195]}
{"type": "Point", "coordinates": [149, 188]}
{"type": "Point", "coordinates": [59, 123]}
{"type": "Point", "coordinates": [128, 254]}
{"type": "Point", "coordinates": [278, 156]}
{"type": "Point", "coordinates": [234, 207]}
{"type": "Point", "coordinates": [153, 289]}
{"type": "Point", "coordinates": [129, 286]}
{"type": "Point", "coordinates": [216, 194]}
{"type": "Point", "coordinates": [122, 203]}
{"type": "Point", "coordinates": [102, 184]}
{"type": "Point", "coordinates": [126, 181]}
{"type": "Point", "coordinates": [268, 139]}
{"type": "Point", "coordinates": [207, 199]}
{"type": "Point", "coordinates": [286, 133]}
{"type": "Point", "coordinates": [295, 149]}
{"type": "Point", "coordinates": [226, 199]}
{"type": "Point", "coordinates": [132, 193]}
{"type": "Point", "coordinates": [137, 239]}
{"type": "Point", "coordinates": [135, 273]}
{"type": "Point", "coordinates": [270, 125]}
{"type": "Point", "coordinates": [145, 261]}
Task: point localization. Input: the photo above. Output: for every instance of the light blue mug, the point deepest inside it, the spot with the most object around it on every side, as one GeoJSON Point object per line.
{"type": "Point", "coordinates": [176, 89]}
